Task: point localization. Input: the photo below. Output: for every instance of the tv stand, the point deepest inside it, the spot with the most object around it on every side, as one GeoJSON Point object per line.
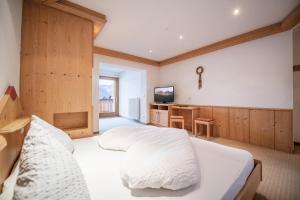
{"type": "Point", "coordinates": [159, 114]}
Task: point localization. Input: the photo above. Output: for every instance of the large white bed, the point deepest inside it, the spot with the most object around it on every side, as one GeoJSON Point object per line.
{"type": "Point", "coordinates": [45, 166]}
{"type": "Point", "coordinates": [223, 172]}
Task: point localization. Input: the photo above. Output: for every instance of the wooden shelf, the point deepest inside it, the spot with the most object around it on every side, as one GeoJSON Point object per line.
{"type": "Point", "coordinates": [15, 125]}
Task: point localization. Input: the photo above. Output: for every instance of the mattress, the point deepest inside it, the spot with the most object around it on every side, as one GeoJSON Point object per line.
{"type": "Point", "coordinates": [223, 172]}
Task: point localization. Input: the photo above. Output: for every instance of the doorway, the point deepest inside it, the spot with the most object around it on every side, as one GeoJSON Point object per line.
{"type": "Point", "coordinates": [109, 96]}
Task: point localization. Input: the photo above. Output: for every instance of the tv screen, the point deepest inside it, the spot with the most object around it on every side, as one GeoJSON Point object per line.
{"type": "Point", "coordinates": [164, 94]}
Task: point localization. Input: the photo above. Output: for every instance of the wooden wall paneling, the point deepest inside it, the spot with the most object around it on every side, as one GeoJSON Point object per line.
{"type": "Point", "coordinates": [206, 112]}
{"type": "Point", "coordinates": [221, 116]}
{"type": "Point", "coordinates": [283, 131]}
{"type": "Point", "coordinates": [56, 63]}
{"type": "Point", "coordinates": [31, 33]}
{"type": "Point", "coordinates": [239, 124]}
{"type": "Point", "coordinates": [262, 128]}
{"type": "Point", "coordinates": [98, 19]}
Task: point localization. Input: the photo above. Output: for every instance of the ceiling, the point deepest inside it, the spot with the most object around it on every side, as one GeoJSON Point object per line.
{"type": "Point", "coordinates": [113, 70]}
{"type": "Point", "coordinates": [138, 26]}
{"type": "Point", "coordinates": [110, 70]}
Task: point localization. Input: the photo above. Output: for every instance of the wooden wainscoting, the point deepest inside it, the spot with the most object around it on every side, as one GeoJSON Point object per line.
{"type": "Point", "coordinates": [239, 124]}
{"type": "Point", "coordinates": [56, 67]}
{"type": "Point", "coordinates": [221, 116]}
{"type": "Point", "coordinates": [262, 130]}
{"type": "Point", "coordinates": [267, 127]}
{"type": "Point", "coordinates": [283, 131]}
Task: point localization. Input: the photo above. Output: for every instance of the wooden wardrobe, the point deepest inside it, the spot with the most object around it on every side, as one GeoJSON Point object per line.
{"type": "Point", "coordinates": [56, 68]}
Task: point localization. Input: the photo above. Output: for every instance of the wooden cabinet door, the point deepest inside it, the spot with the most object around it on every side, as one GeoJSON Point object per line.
{"type": "Point", "coordinates": [283, 131]}
{"type": "Point", "coordinates": [163, 118]}
{"type": "Point", "coordinates": [221, 117]}
{"type": "Point", "coordinates": [154, 116]}
{"type": "Point", "coordinates": [239, 124]}
{"type": "Point", "coordinates": [262, 129]}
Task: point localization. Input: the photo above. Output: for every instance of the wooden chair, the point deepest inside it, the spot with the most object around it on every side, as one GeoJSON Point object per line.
{"type": "Point", "coordinates": [176, 119]}
{"type": "Point", "coordinates": [206, 122]}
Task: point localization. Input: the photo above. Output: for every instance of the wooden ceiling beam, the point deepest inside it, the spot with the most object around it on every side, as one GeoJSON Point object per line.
{"type": "Point", "coordinates": [50, 1]}
{"type": "Point", "coordinates": [252, 35]}
{"type": "Point", "coordinates": [45, 1]}
{"type": "Point", "coordinates": [125, 56]}
{"type": "Point", "coordinates": [292, 19]}
{"type": "Point", "coordinates": [98, 19]}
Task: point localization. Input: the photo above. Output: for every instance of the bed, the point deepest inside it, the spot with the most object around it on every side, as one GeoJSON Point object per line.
{"type": "Point", "coordinates": [226, 173]}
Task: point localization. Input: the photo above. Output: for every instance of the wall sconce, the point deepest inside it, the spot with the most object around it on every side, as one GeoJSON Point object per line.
{"type": "Point", "coordinates": [3, 143]}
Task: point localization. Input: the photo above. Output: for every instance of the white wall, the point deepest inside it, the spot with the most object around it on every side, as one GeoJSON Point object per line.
{"type": "Point", "coordinates": [10, 39]}
{"type": "Point", "coordinates": [151, 72]}
{"type": "Point", "coordinates": [132, 84]}
{"type": "Point", "coordinates": [253, 74]}
{"type": "Point", "coordinates": [296, 113]}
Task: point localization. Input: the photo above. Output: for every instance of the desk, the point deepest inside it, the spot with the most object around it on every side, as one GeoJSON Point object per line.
{"type": "Point", "coordinates": [189, 113]}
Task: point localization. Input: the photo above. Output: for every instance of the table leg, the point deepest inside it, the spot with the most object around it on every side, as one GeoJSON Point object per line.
{"type": "Point", "coordinates": [208, 131]}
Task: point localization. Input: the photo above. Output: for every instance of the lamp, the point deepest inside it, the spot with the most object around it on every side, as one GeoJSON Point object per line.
{"type": "Point", "coordinates": [3, 143]}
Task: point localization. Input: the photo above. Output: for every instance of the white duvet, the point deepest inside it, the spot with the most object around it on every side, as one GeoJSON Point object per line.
{"type": "Point", "coordinates": [155, 157]}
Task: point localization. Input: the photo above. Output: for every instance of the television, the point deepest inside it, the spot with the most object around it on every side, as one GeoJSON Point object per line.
{"type": "Point", "coordinates": [164, 94]}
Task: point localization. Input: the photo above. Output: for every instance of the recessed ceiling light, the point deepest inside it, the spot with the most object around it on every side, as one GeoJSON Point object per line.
{"type": "Point", "coordinates": [236, 12]}
{"type": "Point", "coordinates": [150, 51]}
{"type": "Point", "coordinates": [180, 37]}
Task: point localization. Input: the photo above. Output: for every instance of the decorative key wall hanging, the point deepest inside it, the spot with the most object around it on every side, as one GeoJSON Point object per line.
{"type": "Point", "coordinates": [199, 72]}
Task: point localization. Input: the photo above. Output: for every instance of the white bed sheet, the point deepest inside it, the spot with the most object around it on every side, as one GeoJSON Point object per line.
{"type": "Point", "coordinates": [223, 172]}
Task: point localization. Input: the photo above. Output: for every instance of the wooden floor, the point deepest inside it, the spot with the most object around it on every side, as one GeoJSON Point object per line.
{"type": "Point", "coordinates": [281, 171]}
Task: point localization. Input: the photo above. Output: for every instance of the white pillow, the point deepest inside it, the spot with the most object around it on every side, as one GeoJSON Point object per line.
{"type": "Point", "coordinates": [121, 138]}
{"type": "Point", "coordinates": [48, 170]}
{"type": "Point", "coordinates": [10, 183]}
{"type": "Point", "coordinates": [165, 158]}
{"type": "Point", "coordinates": [58, 134]}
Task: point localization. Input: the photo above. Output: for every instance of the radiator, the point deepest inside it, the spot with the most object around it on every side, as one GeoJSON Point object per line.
{"type": "Point", "coordinates": [134, 108]}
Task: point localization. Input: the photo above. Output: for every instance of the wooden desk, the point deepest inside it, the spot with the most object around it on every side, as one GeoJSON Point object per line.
{"type": "Point", "coordinates": [189, 113]}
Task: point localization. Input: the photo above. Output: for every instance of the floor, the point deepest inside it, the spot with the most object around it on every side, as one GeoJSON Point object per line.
{"type": "Point", "coordinates": [281, 171]}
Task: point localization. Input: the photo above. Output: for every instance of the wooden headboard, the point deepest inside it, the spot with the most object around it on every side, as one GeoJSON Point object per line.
{"type": "Point", "coordinates": [13, 126]}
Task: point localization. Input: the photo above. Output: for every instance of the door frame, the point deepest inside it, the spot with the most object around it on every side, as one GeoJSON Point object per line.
{"type": "Point", "coordinates": [116, 113]}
